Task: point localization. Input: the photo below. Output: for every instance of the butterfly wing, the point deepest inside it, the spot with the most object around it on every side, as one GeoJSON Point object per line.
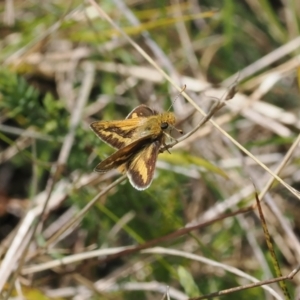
{"type": "Point", "coordinates": [141, 166]}
{"type": "Point", "coordinates": [118, 134]}
{"type": "Point", "coordinates": [141, 111]}
{"type": "Point", "coordinates": [121, 156]}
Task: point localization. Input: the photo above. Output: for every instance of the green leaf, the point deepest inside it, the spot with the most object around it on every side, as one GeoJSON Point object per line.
{"type": "Point", "coordinates": [185, 159]}
{"type": "Point", "coordinates": [187, 282]}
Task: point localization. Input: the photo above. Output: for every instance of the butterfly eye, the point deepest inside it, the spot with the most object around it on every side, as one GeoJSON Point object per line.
{"type": "Point", "coordinates": [164, 125]}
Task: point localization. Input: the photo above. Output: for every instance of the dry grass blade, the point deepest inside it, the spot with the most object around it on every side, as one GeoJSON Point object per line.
{"type": "Point", "coordinates": [69, 232]}
{"type": "Point", "coordinates": [110, 254]}
{"type": "Point", "coordinates": [80, 215]}
{"type": "Point", "coordinates": [164, 251]}
{"type": "Point", "coordinates": [266, 60]}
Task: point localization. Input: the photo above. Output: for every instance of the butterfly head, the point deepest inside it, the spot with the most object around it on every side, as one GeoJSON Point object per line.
{"type": "Point", "coordinates": [167, 119]}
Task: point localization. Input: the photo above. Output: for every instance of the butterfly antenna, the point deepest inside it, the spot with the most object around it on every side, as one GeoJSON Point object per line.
{"type": "Point", "coordinates": [177, 96]}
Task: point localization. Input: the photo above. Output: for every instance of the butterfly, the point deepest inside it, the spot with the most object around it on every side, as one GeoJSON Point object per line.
{"type": "Point", "coordinates": [138, 140]}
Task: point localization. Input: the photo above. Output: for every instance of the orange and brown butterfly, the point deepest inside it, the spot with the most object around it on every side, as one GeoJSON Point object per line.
{"type": "Point", "coordinates": [138, 140]}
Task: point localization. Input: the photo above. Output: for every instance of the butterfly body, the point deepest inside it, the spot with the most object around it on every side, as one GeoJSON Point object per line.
{"type": "Point", "coordinates": [138, 139]}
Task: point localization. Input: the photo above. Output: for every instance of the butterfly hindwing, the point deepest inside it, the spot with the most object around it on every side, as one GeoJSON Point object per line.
{"type": "Point", "coordinates": [141, 166]}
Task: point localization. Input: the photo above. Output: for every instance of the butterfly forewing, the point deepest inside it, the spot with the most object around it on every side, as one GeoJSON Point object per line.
{"type": "Point", "coordinates": [118, 134]}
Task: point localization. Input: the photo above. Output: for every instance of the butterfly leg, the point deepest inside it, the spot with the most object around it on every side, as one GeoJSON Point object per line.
{"type": "Point", "coordinates": [164, 148]}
